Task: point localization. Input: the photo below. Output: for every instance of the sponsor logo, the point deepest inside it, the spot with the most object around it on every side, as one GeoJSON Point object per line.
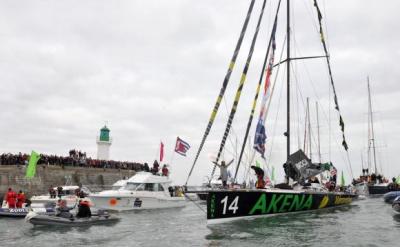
{"type": "Point", "coordinates": [113, 202]}
{"type": "Point", "coordinates": [342, 200]}
{"type": "Point", "coordinates": [212, 206]}
{"type": "Point", "coordinates": [18, 210]}
{"type": "Point", "coordinates": [301, 164]}
{"type": "Point", "coordinates": [282, 203]}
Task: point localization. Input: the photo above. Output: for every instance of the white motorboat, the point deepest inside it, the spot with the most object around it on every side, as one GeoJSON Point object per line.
{"type": "Point", "coordinates": [68, 193]}
{"type": "Point", "coordinates": [361, 188]}
{"type": "Point", "coordinates": [142, 191]}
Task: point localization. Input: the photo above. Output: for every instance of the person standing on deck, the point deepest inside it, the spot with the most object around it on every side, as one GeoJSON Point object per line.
{"type": "Point", "coordinates": [165, 171]}
{"type": "Point", "coordinates": [11, 198]}
{"type": "Point", "coordinates": [20, 199]}
{"type": "Point", "coordinates": [223, 171]}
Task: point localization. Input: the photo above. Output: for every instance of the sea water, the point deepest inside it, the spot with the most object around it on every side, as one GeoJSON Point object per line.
{"type": "Point", "coordinates": [368, 222]}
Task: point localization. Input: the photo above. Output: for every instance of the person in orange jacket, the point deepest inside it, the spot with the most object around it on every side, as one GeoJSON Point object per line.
{"type": "Point", "coordinates": [11, 198]}
{"type": "Point", "coordinates": [20, 199]}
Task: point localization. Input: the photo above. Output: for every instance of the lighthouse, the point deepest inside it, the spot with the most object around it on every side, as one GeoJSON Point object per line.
{"type": "Point", "coordinates": [103, 144]}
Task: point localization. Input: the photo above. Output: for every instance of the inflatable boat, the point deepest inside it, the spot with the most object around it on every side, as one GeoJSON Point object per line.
{"type": "Point", "coordinates": [49, 220]}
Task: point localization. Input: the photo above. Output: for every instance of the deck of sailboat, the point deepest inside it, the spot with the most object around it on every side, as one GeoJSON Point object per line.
{"type": "Point", "coordinates": [291, 191]}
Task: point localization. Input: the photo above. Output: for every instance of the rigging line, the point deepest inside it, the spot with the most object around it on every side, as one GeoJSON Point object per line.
{"type": "Point", "coordinates": [202, 209]}
{"type": "Point", "coordinates": [341, 122]}
{"type": "Point", "coordinates": [324, 114]}
{"type": "Point", "coordinates": [271, 42]}
{"type": "Point", "coordinates": [298, 118]}
{"type": "Point", "coordinates": [273, 88]}
{"type": "Point", "coordinates": [276, 120]}
{"type": "Point", "coordinates": [233, 131]}
{"type": "Point", "coordinates": [270, 100]}
{"type": "Point", "coordinates": [239, 89]}
{"type": "Point", "coordinates": [223, 88]}
{"type": "Point", "coordinates": [309, 12]}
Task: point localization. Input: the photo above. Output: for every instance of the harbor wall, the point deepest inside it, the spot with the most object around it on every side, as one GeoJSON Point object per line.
{"type": "Point", "coordinates": [46, 176]}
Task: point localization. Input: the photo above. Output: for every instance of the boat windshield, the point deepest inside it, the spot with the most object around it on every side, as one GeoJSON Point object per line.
{"type": "Point", "coordinates": [144, 187]}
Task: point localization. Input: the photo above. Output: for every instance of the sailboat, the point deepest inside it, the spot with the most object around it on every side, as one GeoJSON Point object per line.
{"type": "Point", "coordinates": [294, 195]}
{"type": "Point", "coordinates": [372, 181]}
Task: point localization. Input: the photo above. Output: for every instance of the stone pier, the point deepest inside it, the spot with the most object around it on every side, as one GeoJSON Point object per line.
{"type": "Point", "coordinates": [95, 179]}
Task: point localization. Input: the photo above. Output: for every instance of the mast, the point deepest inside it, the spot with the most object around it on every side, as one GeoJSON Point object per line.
{"type": "Point", "coordinates": [309, 127]}
{"type": "Point", "coordinates": [288, 84]}
{"type": "Point", "coordinates": [319, 140]}
{"type": "Point", "coordinates": [372, 125]}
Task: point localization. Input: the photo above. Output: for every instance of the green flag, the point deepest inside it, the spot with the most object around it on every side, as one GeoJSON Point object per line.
{"type": "Point", "coordinates": [342, 182]}
{"type": "Point", "coordinates": [398, 180]}
{"type": "Point", "coordinates": [273, 174]}
{"type": "Point", "coordinates": [31, 169]}
{"type": "Point", "coordinates": [258, 164]}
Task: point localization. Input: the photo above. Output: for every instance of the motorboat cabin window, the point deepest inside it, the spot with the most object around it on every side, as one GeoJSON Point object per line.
{"type": "Point", "coordinates": [149, 187]}
{"type": "Point", "coordinates": [134, 186]}
{"type": "Point", "coordinates": [160, 187]}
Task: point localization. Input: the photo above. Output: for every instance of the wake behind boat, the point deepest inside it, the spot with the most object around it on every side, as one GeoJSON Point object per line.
{"type": "Point", "coordinates": [142, 191]}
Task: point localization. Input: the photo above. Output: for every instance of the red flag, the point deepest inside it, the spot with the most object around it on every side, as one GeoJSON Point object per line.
{"type": "Point", "coordinates": [181, 147]}
{"type": "Point", "coordinates": [161, 151]}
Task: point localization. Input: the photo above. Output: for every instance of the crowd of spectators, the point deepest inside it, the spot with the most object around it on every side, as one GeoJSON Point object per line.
{"type": "Point", "coordinates": [75, 158]}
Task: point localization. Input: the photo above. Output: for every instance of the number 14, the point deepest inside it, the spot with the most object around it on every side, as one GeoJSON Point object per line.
{"type": "Point", "coordinates": [233, 206]}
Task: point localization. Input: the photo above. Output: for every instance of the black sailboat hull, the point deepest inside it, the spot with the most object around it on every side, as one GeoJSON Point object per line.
{"type": "Point", "coordinates": [379, 189]}
{"type": "Point", "coordinates": [226, 205]}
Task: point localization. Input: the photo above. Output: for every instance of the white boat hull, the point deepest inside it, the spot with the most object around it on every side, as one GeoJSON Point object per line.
{"type": "Point", "coordinates": [361, 188]}
{"type": "Point", "coordinates": [136, 203]}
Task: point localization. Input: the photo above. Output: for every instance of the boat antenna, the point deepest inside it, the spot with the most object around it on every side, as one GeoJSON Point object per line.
{"type": "Point", "coordinates": [223, 88]}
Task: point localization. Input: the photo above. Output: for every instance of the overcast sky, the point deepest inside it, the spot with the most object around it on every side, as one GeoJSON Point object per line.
{"type": "Point", "coordinates": [152, 70]}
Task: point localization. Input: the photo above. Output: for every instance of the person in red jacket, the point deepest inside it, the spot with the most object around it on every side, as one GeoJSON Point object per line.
{"type": "Point", "coordinates": [165, 171]}
{"type": "Point", "coordinates": [20, 199]}
{"type": "Point", "coordinates": [11, 198]}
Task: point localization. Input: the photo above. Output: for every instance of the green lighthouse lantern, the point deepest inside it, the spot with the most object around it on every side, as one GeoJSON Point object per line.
{"type": "Point", "coordinates": [105, 134]}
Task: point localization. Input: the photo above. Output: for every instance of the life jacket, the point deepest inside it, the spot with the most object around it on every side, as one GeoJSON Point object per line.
{"type": "Point", "coordinates": [84, 210]}
{"type": "Point", "coordinates": [21, 198]}
{"type": "Point", "coordinates": [260, 184]}
{"type": "Point", "coordinates": [11, 198]}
